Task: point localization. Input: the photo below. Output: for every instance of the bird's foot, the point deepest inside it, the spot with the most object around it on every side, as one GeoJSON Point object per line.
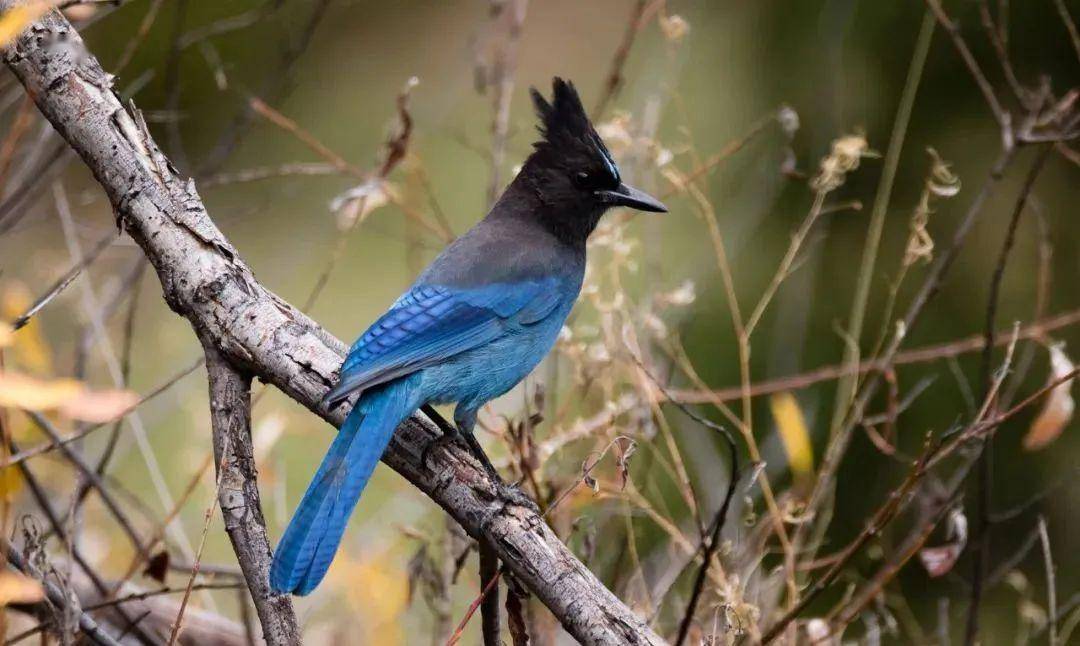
{"type": "Point", "coordinates": [448, 438]}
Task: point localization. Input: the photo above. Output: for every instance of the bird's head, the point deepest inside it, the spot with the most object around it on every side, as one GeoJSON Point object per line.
{"type": "Point", "coordinates": [571, 170]}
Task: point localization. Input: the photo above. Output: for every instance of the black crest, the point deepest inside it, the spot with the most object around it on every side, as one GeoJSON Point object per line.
{"type": "Point", "coordinates": [563, 118]}
{"type": "Point", "coordinates": [569, 140]}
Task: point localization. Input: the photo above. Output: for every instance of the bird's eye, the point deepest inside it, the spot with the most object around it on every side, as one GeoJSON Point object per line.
{"type": "Point", "coordinates": [583, 180]}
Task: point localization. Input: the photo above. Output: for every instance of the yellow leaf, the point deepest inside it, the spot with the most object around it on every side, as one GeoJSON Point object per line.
{"type": "Point", "coordinates": [19, 18]}
{"type": "Point", "coordinates": [377, 590]}
{"type": "Point", "coordinates": [6, 334]}
{"type": "Point", "coordinates": [1057, 410]}
{"type": "Point", "coordinates": [71, 398]}
{"type": "Point", "coordinates": [22, 391]}
{"type": "Point", "coordinates": [19, 588]}
{"type": "Point", "coordinates": [99, 406]}
{"type": "Point", "coordinates": [29, 349]}
{"type": "Point", "coordinates": [11, 483]}
{"type": "Point", "coordinates": [792, 428]}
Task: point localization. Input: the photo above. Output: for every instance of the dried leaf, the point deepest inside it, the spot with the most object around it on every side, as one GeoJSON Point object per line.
{"type": "Point", "coordinates": [939, 560]}
{"type": "Point", "coordinates": [158, 566]}
{"type": "Point", "coordinates": [19, 18]}
{"type": "Point", "coordinates": [586, 476]}
{"type": "Point", "coordinates": [844, 157]}
{"type": "Point", "coordinates": [99, 406]}
{"type": "Point", "coordinates": [68, 396]}
{"type": "Point", "coordinates": [622, 460]}
{"type": "Point", "coordinates": [11, 482]}
{"type": "Point", "coordinates": [19, 588]}
{"type": "Point", "coordinates": [356, 204]}
{"type": "Point", "coordinates": [1057, 410]}
{"type": "Point", "coordinates": [793, 433]}
{"type": "Point", "coordinates": [942, 182]}
{"type": "Point", "coordinates": [22, 391]}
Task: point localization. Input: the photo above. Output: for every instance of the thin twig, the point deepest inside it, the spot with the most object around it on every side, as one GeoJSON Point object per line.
{"type": "Point", "coordinates": [614, 80]}
{"type": "Point", "coordinates": [319, 148]}
{"type": "Point", "coordinates": [924, 354]}
{"type": "Point", "coordinates": [208, 516]}
{"type": "Point", "coordinates": [982, 541]}
{"type": "Point", "coordinates": [1051, 582]}
{"type": "Point", "coordinates": [1001, 115]}
{"type": "Point", "coordinates": [65, 280]}
{"type": "Point", "coordinates": [492, 583]}
{"type": "Point", "coordinates": [1070, 26]}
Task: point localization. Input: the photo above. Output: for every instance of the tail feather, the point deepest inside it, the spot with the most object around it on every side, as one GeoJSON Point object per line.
{"type": "Point", "coordinates": [315, 531]}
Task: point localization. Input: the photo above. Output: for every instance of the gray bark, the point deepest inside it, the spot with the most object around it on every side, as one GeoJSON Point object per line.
{"type": "Point", "coordinates": [238, 494]}
{"type": "Point", "coordinates": [204, 279]}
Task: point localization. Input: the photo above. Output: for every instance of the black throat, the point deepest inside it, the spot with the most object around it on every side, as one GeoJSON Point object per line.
{"type": "Point", "coordinates": [567, 215]}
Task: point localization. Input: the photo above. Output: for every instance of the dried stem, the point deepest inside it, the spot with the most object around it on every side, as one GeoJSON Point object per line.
{"type": "Point", "coordinates": [981, 564]}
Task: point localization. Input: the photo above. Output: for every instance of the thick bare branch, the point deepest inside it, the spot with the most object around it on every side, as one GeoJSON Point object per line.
{"type": "Point", "coordinates": [230, 416]}
{"type": "Point", "coordinates": [204, 279]}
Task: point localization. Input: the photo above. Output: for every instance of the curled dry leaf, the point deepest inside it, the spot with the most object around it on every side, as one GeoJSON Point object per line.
{"type": "Point", "coordinates": [846, 153]}
{"type": "Point", "coordinates": [622, 460]}
{"type": "Point", "coordinates": [356, 204]}
{"type": "Point", "coordinates": [586, 476]}
{"type": "Point", "coordinates": [939, 560]}
{"type": "Point", "coordinates": [69, 397]}
{"type": "Point", "coordinates": [1057, 410]}
{"type": "Point", "coordinates": [942, 181]}
{"type": "Point", "coordinates": [19, 588]}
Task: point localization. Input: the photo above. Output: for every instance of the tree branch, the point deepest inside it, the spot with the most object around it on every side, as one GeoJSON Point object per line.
{"type": "Point", "coordinates": [204, 279]}
{"type": "Point", "coordinates": [230, 416]}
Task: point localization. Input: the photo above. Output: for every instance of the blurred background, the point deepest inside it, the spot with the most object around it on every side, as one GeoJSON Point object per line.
{"type": "Point", "coordinates": [743, 98]}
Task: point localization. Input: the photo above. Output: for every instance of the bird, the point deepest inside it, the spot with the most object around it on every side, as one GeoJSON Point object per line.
{"type": "Point", "coordinates": [475, 323]}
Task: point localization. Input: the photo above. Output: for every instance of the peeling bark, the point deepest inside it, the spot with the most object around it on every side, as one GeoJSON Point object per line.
{"type": "Point", "coordinates": [204, 280]}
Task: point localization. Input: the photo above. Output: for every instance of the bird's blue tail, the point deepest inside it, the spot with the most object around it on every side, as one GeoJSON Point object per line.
{"type": "Point", "coordinates": [306, 549]}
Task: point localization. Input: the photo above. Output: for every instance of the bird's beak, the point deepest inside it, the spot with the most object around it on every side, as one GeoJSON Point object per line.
{"type": "Point", "coordinates": [626, 195]}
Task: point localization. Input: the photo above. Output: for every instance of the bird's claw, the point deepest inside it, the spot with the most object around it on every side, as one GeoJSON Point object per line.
{"type": "Point", "coordinates": [441, 442]}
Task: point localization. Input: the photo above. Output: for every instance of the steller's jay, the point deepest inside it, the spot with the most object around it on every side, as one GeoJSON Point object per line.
{"type": "Point", "coordinates": [473, 325]}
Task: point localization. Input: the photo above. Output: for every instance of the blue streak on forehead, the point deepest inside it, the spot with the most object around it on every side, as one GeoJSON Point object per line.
{"type": "Point", "coordinates": [612, 169]}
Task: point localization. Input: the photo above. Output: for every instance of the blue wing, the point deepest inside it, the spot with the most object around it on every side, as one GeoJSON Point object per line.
{"type": "Point", "coordinates": [431, 323]}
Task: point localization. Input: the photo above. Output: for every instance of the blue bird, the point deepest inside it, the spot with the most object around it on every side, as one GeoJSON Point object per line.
{"type": "Point", "coordinates": [475, 323]}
